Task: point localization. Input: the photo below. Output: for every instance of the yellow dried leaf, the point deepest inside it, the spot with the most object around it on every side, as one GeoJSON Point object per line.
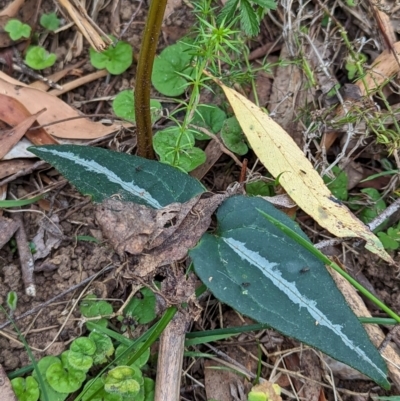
{"type": "Point", "coordinates": [282, 157]}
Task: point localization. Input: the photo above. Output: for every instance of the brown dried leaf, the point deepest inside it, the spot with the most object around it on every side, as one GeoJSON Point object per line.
{"type": "Point", "coordinates": [57, 110]}
{"type": "Point", "coordinates": [10, 167]}
{"type": "Point", "coordinates": [7, 392]}
{"type": "Point", "coordinates": [8, 228]}
{"type": "Point", "coordinates": [159, 237]}
{"type": "Point", "coordinates": [16, 114]}
{"type": "Point", "coordinates": [128, 226]}
{"type": "Point", "coordinates": [12, 136]}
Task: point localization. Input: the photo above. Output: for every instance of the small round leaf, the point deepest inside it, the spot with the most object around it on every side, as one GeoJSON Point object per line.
{"type": "Point", "coordinates": [116, 59]}
{"type": "Point", "coordinates": [210, 117]}
{"type": "Point", "coordinates": [124, 380]}
{"type": "Point", "coordinates": [63, 380]}
{"type": "Point", "coordinates": [38, 58]}
{"type": "Point", "coordinates": [232, 136]}
{"type": "Point", "coordinates": [17, 30]}
{"type": "Point", "coordinates": [25, 389]}
{"type": "Point", "coordinates": [173, 61]}
{"type": "Point", "coordinates": [124, 106]}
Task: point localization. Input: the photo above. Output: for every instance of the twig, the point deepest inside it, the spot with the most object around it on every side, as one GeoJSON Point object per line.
{"type": "Point", "coordinates": [377, 221]}
{"type": "Point", "coordinates": [131, 20]}
{"type": "Point", "coordinates": [170, 358]}
{"type": "Point", "coordinates": [25, 256]}
{"type": "Point", "coordinates": [389, 211]}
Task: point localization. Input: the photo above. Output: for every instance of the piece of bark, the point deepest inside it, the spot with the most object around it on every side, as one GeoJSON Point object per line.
{"type": "Point", "coordinates": [8, 228]}
{"type": "Point", "coordinates": [25, 256]}
{"type": "Point", "coordinates": [7, 392]}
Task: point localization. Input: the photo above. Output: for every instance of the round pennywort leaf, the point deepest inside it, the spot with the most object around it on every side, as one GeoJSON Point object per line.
{"type": "Point", "coordinates": [38, 58]}
{"type": "Point", "coordinates": [178, 149]}
{"type": "Point", "coordinates": [50, 21]}
{"type": "Point", "coordinates": [63, 380]}
{"type": "Point", "coordinates": [209, 117]}
{"type": "Point", "coordinates": [123, 380]}
{"type": "Point", "coordinates": [17, 30]}
{"type": "Point", "coordinates": [124, 106]}
{"type": "Point", "coordinates": [169, 66]}
{"type": "Point", "coordinates": [116, 59]}
{"type": "Point", "coordinates": [25, 389]}
{"type": "Point", "coordinates": [232, 136]}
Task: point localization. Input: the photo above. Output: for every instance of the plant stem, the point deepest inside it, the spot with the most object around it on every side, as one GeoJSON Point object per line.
{"type": "Point", "coordinates": [143, 78]}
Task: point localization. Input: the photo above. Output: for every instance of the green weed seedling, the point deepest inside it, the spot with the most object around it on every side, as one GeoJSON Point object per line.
{"type": "Point", "coordinates": [121, 379]}
{"type": "Point", "coordinates": [142, 310]}
{"type": "Point", "coordinates": [369, 203]}
{"type": "Point", "coordinates": [17, 30]}
{"type": "Point", "coordinates": [251, 13]}
{"type": "Point", "coordinates": [338, 183]}
{"type": "Point", "coordinates": [38, 58]}
{"type": "Point", "coordinates": [116, 59]}
{"type": "Point", "coordinates": [172, 68]}
{"type": "Point", "coordinates": [124, 106]}
{"type": "Point", "coordinates": [50, 21]}
{"type": "Point", "coordinates": [352, 66]}
{"type": "Point", "coordinates": [12, 300]}
{"type": "Point", "coordinates": [25, 389]}
{"type": "Point", "coordinates": [259, 188]}
{"type": "Point", "coordinates": [390, 238]}
{"type": "Point", "coordinates": [185, 156]}
{"type": "Point", "coordinates": [209, 117]}
{"type": "Point", "coordinates": [91, 307]}
{"type": "Point", "coordinates": [233, 137]}
{"type": "Point", "coordinates": [63, 377]}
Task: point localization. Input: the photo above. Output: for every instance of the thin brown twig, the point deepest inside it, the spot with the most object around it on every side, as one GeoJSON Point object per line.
{"type": "Point", "coordinates": [25, 256]}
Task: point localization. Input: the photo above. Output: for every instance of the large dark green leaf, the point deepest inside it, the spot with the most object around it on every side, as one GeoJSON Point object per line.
{"type": "Point", "coordinates": [102, 173]}
{"type": "Point", "coordinates": [254, 267]}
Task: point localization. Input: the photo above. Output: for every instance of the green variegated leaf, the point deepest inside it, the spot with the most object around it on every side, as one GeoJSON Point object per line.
{"type": "Point", "coordinates": [102, 173]}
{"type": "Point", "coordinates": [254, 267]}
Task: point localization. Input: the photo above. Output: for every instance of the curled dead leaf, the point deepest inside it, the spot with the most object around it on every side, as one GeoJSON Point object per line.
{"type": "Point", "coordinates": [158, 237]}
{"type": "Point", "coordinates": [65, 121]}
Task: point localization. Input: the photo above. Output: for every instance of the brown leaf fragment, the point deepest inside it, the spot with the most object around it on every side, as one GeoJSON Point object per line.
{"type": "Point", "coordinates": [7, 392]}
{"type": "Point", "coordinates": [66, 122]}
{"type": "Point", "coordinates": [48, 237]}
{"type": "Point", "coordinates": [13, 112]}
{"type": "Point", "coordinates": [176, 246]}
{"type": "Point", "coordinates": [11, 137]}
{"type": "Point", "coordinates": [7, 229]}
{"type": "Point", "coordinates": [127, 226]}
{"type": "Point", "coordinates": [159, 237]}
{"type": "Point", "coordinates": [9, 167]}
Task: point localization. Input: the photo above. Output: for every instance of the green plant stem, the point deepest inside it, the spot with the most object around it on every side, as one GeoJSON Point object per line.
{"type": "Point", "coordinates": [143, 78]}
{"type": "Point", "coordinates": [310, 247]}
